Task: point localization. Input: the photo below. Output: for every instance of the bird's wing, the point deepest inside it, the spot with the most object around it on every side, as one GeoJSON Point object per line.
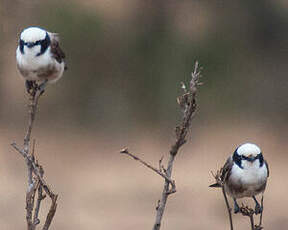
{"type": "Point", "coordinates": [267, 168]}
{"type": "Point", "coordinates": [224, 172]}
{"type": "Point", "coordinates": [56, 51]}
{"type": "Point", "coordinates": [54, 36]}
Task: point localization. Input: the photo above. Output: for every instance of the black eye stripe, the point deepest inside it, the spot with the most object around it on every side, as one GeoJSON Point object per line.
{"type": "Point", "coordinates": [21, 46]}
{"type": "Point", "coordinates": [259, 157]}
{"type": "Point", "coordinates": [33, 43]}
{"type": "Point", "coordinates": [237, 159]}
{"type": "Point", "coordinates": [45, 43]}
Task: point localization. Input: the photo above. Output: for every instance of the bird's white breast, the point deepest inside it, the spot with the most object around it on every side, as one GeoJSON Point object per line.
{"type": "Point", "coordinates": [30, 60]}
{"type": "Point", "coordinates": [30, 63]}
{"type": "Point", "coordinates": [249, 180]}
{"type": "Point", "coordinates": [251, 174]}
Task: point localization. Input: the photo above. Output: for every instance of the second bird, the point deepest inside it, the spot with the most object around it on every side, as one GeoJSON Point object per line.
{"type": "Point", "coordinates": [245, 174]}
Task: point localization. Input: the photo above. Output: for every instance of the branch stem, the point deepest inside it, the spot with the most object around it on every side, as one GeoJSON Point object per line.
{"type": "Point", "coordinates": [34, 169]}
{"type": "Point", "coordinates": [228, 207]}
{"type": "Point", "coordinates": [165, 194]}
{"type": "Point", "coordinates": [165, 176]}
{"type": "Point", "coordinates": [187, 103]}
{"type": "Point", "coordinates": [34, 98]}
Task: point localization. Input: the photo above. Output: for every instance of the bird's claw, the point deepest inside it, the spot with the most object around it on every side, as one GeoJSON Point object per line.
{"type": "Point", "coordinates": [30, 87]}
{"type": "Point", "coordinates": [236, 207]}
{"type": "Point", "coordinates": [258, 209]}
{"type": "Point", "coordinates": [42, 86]}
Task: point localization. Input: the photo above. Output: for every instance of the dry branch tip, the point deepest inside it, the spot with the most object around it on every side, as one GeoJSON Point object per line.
{"type": "Point", "coordinates": [124, 150]}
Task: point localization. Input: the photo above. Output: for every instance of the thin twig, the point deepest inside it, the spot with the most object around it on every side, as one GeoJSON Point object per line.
{"type": "Point", "coordinates": [220, 182]}
{"type": "Point", "coordinates": [30, 197]}
{"type": "Point", "coordinates": [261, 214]}
{"type": "Point", "coordinates": [228, 207]}
{"type": "Point", "coordinates": [252, 222]}
{"type": "Point", "coordinates": [172, 182]}
{"type": "Point", "coordinates": [39, 200]}
{"type": "Point", "coordinates": [36, 170]}
{"type": "Point", "coordinates": [246, 211]}
{"type": "Point", "coordinates": [51, 212]}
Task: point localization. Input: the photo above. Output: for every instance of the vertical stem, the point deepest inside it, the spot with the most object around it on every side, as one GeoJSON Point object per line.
{"type": "Point", "coordinates": [228, 207]}
{"type": "Point", "coordinates": [37, 208]}
{"type": "Point", "coordinates": [252, 221]}
{"type": "Point", "coordinates": [261, 214]}
{"type": "Point", "coordinates": [165, 194]}
{"type": "Point", "coordinates": [32, 112]}
{"type": "Point", "coordinates": [188, 105]}
{"type": "Point", "coordinates": [30, 194]}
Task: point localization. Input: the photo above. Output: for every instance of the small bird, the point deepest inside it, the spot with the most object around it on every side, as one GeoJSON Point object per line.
{"type": "Point", "coordinates": [245, 174]}
{"type": "Point", "coordinates": [39, 58]}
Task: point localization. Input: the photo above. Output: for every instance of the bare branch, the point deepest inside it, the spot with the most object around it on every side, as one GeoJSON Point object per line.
{"type": "Point", "coordinates": [220, 182]}
{"type": "Point", "coordinates": [34, 169]}
{"type": "Point", "coordinates": [34, 98]}
{"type": "Point", "coordinates": [187, 103]}
{"type": "Point", "coordinates": [246, 211]}
{"type": "Point", "coordinates": [51, 212]}
{"type": "Point", "coordinates": [229, 210]}
{"type": "Point", "coordinates": [172, 182]}
{"type": "Point", "coordinates": [188, 106]}
{"type": "Point", "coordinates": [30, 196]}
{"type": "Point", "coordinates": [261, 214]}
{"type": "Point", "coordinates": [37, 208]}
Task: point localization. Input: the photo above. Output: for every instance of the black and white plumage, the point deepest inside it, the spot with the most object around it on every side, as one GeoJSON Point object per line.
{"type": "Point", "coordinates": [245, 174]}
{"type": "Point", "coordinates": [39, 57]}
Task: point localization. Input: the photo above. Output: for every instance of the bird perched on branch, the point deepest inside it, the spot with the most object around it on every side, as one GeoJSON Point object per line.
{"type": "Point", "coordinates": [39, 58]}
{"type": "Point", "coordinates": [244, 174]}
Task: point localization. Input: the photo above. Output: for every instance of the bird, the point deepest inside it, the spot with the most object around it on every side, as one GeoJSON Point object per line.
{"type": "Point", "coordinates": [39, 58]}
{"type": "Point", "coordinates": [245, 174]}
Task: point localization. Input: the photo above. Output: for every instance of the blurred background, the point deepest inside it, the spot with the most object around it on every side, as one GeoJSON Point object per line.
{"type": "Point", "coordinates": [126, 59]}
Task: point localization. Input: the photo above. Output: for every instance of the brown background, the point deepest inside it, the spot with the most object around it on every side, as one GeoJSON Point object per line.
{"type": "Point", "coordinates": [126, 60]}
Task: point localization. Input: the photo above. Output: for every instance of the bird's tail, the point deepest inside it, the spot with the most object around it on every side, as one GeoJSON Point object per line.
{"type": "Point", "coordinates": [216, 185]}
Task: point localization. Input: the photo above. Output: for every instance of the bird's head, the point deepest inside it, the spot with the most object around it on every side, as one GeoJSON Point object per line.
{"type": "Point", "coordinates": [34, 40]}
{"type": "Point", "coordinates": [248, 152]}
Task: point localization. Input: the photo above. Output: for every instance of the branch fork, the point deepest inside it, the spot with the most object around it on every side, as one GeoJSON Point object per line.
{"type": "Point", "coordinates": [187, 103]}
{"type": "Point", "coordinates": [37, 186]}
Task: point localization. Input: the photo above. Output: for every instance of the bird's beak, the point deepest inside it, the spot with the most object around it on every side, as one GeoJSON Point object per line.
{"type": "Point", "coordinates": [29, 44]}
{"type": "Point", "coordinates": [250, 158]}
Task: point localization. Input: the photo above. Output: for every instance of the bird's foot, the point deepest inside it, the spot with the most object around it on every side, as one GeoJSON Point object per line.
{"type": "Point", "coordinates": [258, 209]}
{"type": "Point", "coordinates": [31, 87]}
{"type": "Point", "coordinates": [236, 207]}
{"type": "Point", "coordinates": [42, 86]}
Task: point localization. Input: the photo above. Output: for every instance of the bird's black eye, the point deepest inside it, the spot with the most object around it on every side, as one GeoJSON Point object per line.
{"type": "Point", "coordinates": [21, 46]}
{"type": "Point", "coordinates": [237, 159]}
{"type": "Point", "coordinates": [44, 44]}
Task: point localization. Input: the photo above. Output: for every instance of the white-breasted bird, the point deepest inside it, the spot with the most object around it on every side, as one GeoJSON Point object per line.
{"type": "Point", "coordinates": [39, 57]}
{"type": "Point", "coordinates": [245, 174]}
